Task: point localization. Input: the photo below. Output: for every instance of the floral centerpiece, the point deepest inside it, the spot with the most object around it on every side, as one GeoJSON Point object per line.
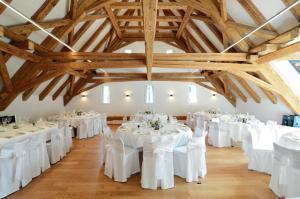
{"type": "Point", "coordinates": [78, 113]}
{"type": "Point", "coordinates": [148, 112]}
{"type": "Point", "coordinates": [155, 124]}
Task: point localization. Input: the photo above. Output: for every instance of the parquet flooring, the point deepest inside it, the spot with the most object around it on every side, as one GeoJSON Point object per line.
{"type": "Point", "coordinates": [79, 176]}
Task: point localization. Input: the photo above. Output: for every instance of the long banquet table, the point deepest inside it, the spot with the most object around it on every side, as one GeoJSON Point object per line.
{"type": "Point", "coordinates": [9, 135]}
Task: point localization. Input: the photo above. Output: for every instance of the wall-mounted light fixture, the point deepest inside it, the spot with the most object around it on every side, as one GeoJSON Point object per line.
{"type": "Point", "coordinates": [83, 95]}
{"type": "Point", "coordinates": [169, 51]}
{"type": "Point", "coordinates": [127, 95]}
{"type": "Point", "coordinates": [213, 95]}
{"type": "Point", "coordinates": [171, 94]}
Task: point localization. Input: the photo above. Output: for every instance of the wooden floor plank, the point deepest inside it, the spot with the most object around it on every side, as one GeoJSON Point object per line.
{"type": "Point", "coordinates": [79, 175]}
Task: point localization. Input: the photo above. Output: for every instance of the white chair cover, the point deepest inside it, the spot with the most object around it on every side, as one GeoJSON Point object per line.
{"type": "Point", "coordinates": [105, 143]}
{"type": "Point", "coordinates": [201, 134]}
{"type": "Point", "coordinates": [121, 162]}
{"type": "Point", "coordinates": [260, 156]}
{"type": "Point", "coordinates": [285, 176]}
{"type": "Point", "coordinates": [22, 168]}
{"type": "Point", "coordinates": [90, 127]}
{"type": "Point", "coordinates": [96, 125]}
{"type": "Point", "coordinates": [82, 130]}
{"type": "Point", "coordinates": [68, 138]}
{"type": "Point", "coordinates": [56, 147]}
{"type": "Point", "coordinates": [187, 160]}
{"type": "Point", "coordinates": [39, 158]}
{"type": "Point", "coordinates": [218, 136]}
{"type": "Point", "coordinates": [8, 183]}
{"type": "Point", "coordinates": [157, 167]}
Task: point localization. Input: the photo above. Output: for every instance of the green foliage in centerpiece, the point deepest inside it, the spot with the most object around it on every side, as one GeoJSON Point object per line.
{"type": "Point", "coordinates": [156, 125]}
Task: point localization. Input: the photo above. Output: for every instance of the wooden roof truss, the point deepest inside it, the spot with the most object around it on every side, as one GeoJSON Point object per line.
{"type": "Point", "coordinates": [145, 20]}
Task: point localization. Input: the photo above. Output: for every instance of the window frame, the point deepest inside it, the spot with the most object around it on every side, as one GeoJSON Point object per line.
{"type": "Point", "coordinates": [149, 94]}
{"type": "Point", "coordinates": [192, 94]}
{"type": "Point", "coordinates": [106, 94]}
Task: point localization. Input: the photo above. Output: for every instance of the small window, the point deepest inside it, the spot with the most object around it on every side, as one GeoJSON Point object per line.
{"type": "Point", "coordinates": [149, 94]}
{"type": "Point", "coordinates": [192, 94]}
{"type": "Point", "coordinates": [106, 95]}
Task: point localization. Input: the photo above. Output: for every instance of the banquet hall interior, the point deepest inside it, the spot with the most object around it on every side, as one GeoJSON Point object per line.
{"type": "Point", "coordinates": [150, 99]}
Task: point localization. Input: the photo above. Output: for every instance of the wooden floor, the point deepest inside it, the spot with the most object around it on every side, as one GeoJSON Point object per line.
{"type": "Point", "coordinates": [80, 176]}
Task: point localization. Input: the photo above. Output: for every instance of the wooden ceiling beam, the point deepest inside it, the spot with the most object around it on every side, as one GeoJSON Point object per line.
{"type": "Point", "coordinates": [73, 14]}
{"type": "Point", "coordinates": [44, 10]}
{"type": "Point", "coordinates": [220, 87]}
{"type": "Point", "coordinates": [150, 17]}
{"type": "Point", "coordinates": [248, 88]}
{"type": "Point", "coordinates": [50, 87]}
{"type": "Point", "coordinates": [206, 65]}
{"type": "Point", "coordinates": [203, 37]}
{"type": "Point", "coordinates": [29, 28]}
{"type": "Point", "coordinates": [60, 89]}
{"type": "Point", "coordinates": [5, 75]}
{"type": "Point", "coordinates": [214, 57]}
{"type": "Point", "coordinates": [159, 18]}
{"type": "Point", "coordinates": [158, 28]}
{"type": "Point", "coordinates": [289, 96]}
{"type": "Point", "coordinates": [94, 36]}
{"type": "Point", "coordinates": [256, 81]}
{"type": "Point", "coordinates": [210, 9]}
{"type": "Point", "coordinates": [138, 5]}
{"type": "Point", "coordinates": [262, 33]}
{"type": "Point", "coordinates": [113, 20]}
{"type": "Point", "coordinates": [295, 11]}
{"type": "Point", "coordinates": [184, 22]}
{"type": "Point", "coordinates": [283, 52]}
{"type": "Point", "coordinates": [17, 39]}
{"type": "Point", "coordinates": [28, 71]}
{"type": "Point", "coordinates": [255, 14]}
{"type": "Point", "coordinates": [10, 49]}
{"type": "Point", "coordinates": [234, 87]}
{"type": "Point", "coordinates": [3, 7]}
{"type": "Point", "coordinates": [98, 5]}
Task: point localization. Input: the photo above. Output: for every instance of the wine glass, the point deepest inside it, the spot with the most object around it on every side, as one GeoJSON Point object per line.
{"type": "Point", "coordinates": [4, 121]}
{"type": "Point", "coordinates": [9, 119]}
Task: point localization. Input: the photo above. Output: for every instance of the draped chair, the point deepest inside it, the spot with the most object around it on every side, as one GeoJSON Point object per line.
{"type": "Point", "coordinates": [121, 162]}
{"type": "Point", "coordinates": [219, 135]}
{"type": "Point", "coordinates": [7, 172]}
{"type": "Point", "coordinates": [157, 166]}
{"type": "Point", "coordinates": [260, 152]}
{"type": "Point", "coordinates": [39, 158]}
{"type": "Point", "coordinates": [285, 175]}
{"type": "Point", "coordinates": [189, 160]}
{"type": "Point", "coordinates": [56, 147]}
{"type": "Point", "coordinates": [90, 127]}
{"type": "Point", "coordinates": [82, 130]}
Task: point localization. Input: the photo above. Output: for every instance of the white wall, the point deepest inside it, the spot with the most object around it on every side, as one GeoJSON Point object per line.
{"type": "Point", "coordinates": [178, 105]}
{"type": "Point", "coordinates": [265, 110]}
{"type": "Point", "coordinates": [120, 105]}
{"type": "Point", "coordinates": [33, 109]}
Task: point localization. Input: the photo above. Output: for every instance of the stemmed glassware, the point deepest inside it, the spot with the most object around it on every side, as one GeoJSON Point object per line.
{"type": "Point", "coordinates": [4, 121]}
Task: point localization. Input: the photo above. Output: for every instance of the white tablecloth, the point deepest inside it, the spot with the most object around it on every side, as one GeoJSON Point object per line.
{"type": "Point", "coordinates": [145, 117]}
{"type": "Point", "coordinates": [75, 120]}
{"type": "Point", "coordinates": [135, 137]}
{"type": "Point", "coordinates": [290, 140]}
{"type": "Point", "coordinates": [10, 136]}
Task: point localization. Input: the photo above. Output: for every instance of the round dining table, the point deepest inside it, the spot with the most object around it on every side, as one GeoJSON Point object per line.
{"type": "Point", "coordinates": [135, 134]}
{"type": "Point", "coordinates": [290, 140]}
